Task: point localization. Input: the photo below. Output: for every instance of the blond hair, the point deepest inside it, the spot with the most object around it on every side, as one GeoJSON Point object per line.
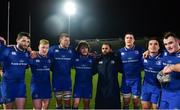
{"type": "Point", "coordinates": [43, 42]}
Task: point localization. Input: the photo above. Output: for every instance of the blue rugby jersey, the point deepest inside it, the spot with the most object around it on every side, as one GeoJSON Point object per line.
{"type": "Point", "coordinates": [131, 60]}
{"type": "Point", "coordinates": [152, 66]}
{"type": "Point", "coordinates": [62, 61]}
{"type": "Point", "coordinates": [40, 68]}
{"type": "Point", "coordinates": [170, 59]}
{"type": "Point", "coordinates": [14, 62]}
{"type": "Point", "coordinates": [84, 69]}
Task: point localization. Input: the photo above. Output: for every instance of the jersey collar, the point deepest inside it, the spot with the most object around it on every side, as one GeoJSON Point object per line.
{"type": "Point", "coordinates": [41, 56]}
{"type": "Point", "coordinates": [18, 49]}
{"type": "Point", "coordinates": [60, 47]}
{"type": "Point", "coordinates": [129, 48]}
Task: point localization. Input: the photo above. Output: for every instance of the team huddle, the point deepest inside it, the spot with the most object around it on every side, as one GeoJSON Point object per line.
{"type": "Point", "coordinates": [160, 88]}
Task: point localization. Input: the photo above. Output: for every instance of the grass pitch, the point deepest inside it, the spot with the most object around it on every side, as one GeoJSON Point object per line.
{"type": "Point", "coordinates": [52, 101]}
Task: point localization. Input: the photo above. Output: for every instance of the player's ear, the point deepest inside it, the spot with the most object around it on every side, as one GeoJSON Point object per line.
{"type": "Point", "coordinates": [17, 40]}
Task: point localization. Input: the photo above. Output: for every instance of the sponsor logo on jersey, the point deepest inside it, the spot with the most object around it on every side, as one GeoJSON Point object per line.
{"type": "Point", "coordinates": [165, 53]}
{"type": "Point", "coordinates": [56, 50]}
{"type": "Point", "coordinates": [77, 59]}
{"type": "Point", "coordinates": [145, 61]}
{"type": "Point", "coordinates": [13, 53]}
{"type": "Point", "coordinates": [37, 61]}
{"type": "Point", "coordinates": [122, 53]}
{"type": "Point", "coordinates": [100, 62]}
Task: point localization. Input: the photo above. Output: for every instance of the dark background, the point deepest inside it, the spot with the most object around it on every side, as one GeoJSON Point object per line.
{"type": "Point", "coordinates": [93, 19]}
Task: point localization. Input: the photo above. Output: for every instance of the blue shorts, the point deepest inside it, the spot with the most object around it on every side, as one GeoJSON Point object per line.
{"type": "Point", "coordinates": [12, 90]}
{"type": "Point", "coordinates": [131, 86]}
{"type": "Point", "coordinates": [81, 91]}
{"type": "Point", "coordinates": [40, 90]}
{"type": "Point", "coordinates": [170, 99]}
{"type": "Point", "coordinates": [61, 84]}
{"type": "Point", "coordinates": [150, 93]}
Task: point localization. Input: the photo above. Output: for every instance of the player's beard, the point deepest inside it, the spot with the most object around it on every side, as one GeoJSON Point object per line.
{"type": "Point", "coordinates": [21, 47]}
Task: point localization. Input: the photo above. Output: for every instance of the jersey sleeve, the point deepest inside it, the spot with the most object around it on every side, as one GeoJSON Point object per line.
{"type": "Point", "coordinates": [51, 56]}
{"type": "Point", "coordinates": [51, 52]}
{"type": "Point", "coordinates": [141, 51]}
{"type": "Point", "coordinates": [4, 52]}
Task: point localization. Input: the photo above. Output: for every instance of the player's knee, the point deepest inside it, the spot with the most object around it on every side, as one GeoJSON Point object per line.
{"type": "Point", "coordinates": [126, 99]}
{"type": "Point", "coordinates": [136, 100]}
{"type": "Point", "coordinates": [37, 107]}
{"type": "Point", "coordinates": [154, 106]}
{"type": "Point", "coordinates": [45, 105]}
{"type": "Point", "coordinates": [145, 106]}
{"type": "Point", "coordinates": [76, 103]}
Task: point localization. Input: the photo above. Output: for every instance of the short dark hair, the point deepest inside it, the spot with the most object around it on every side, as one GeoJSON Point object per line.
{"type": "Point", "coordinates": [63, 35]}
{"type": "Point", "coordinates": [106, 43]}
{"type": "Point", "coordinates": [82, 44]}
{"type": "Point", "coordinates": [128, 33]}
{"type": "Point", "coordinates": [169, 34]}
{"type": "Point", "coordinates": [21, 34]}
{"type": "Point", "coordinates": [158, 40]}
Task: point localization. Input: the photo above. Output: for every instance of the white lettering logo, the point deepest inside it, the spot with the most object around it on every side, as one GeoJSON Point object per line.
{"type": "Point", "coordinates": [37, 61]}
{"type": "Point", "coordinates": [100, 62]}
{"type": "Point", "coordinates": [56, 50]}
{"type": "Point", "coordinates": [122, 53]}
{"type": "Point", "coordinates": [13, 53]}
{"type": "Point", "coordinates": [77, 59]}
{"type": "Point", "coordinates": [145, 61]}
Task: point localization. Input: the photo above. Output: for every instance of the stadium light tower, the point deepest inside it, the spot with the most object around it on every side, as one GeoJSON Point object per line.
{"type": "Point", "coordinates": [69, 9]}
{"type": "Point", "coordinates": [8, 23]}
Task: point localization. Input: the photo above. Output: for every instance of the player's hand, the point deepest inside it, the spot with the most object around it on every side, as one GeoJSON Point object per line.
{"type": "Point", "coordinates": [2, 40]}
{"type": "Point", "coordinates": [146, 54]}
{"type": "Point", "coordinates": [1, 73]}
{"type": "Point", "coordinates": [167, 69]}
{"type": "Point", "coordinates": [33, 54]}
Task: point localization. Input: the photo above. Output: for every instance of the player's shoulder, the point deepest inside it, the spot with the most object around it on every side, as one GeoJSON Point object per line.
{"type": "Point", "coordinates": [10, 48]}
{"type": "Point", "coordinates": [98, 56]}
{"type": "Point", "coordinates": [121, 49]}
{"type": "Point", "coordinates": [53, 47]}
{"type": "Point", "coordinates": [139, 48]}
{"type": "Point", "coordinates": [72, 49]}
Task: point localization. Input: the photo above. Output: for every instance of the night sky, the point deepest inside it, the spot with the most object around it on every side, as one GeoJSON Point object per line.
{"type": "Point", "coordinates": [93, 19]}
